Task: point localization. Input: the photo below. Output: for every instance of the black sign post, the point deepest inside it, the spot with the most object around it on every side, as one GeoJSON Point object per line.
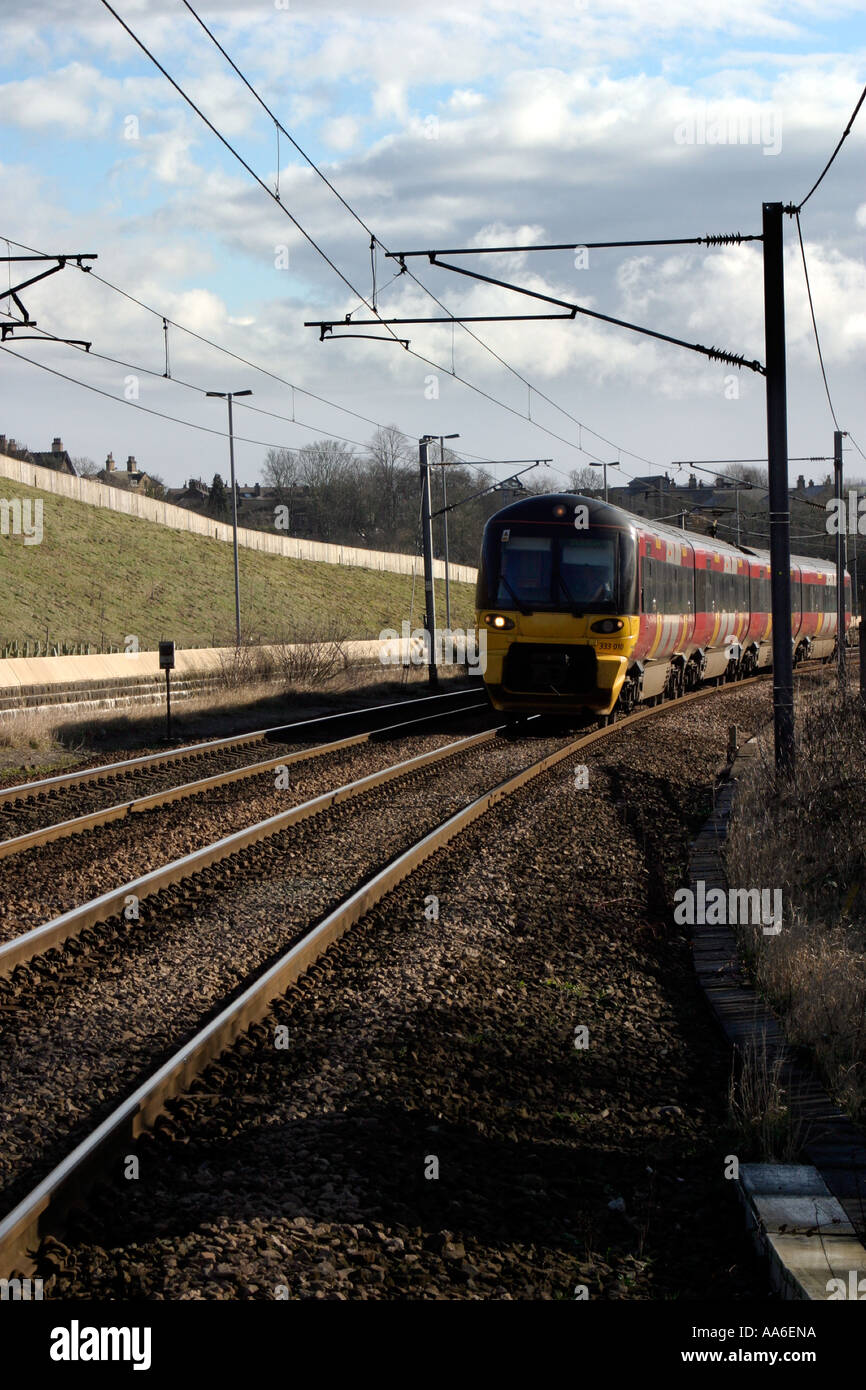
{"type": "Point", "coordinates": [166, 663]}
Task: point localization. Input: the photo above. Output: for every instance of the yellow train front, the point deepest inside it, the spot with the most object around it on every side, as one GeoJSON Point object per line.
{"type": "Point", "coordinates": [557, 604]}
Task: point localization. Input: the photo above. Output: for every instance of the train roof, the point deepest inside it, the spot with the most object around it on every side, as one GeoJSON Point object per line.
{"type": "Point", "coordinates": [601, 513]}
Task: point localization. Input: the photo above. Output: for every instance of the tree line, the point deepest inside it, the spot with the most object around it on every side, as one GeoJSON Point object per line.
{"type": "Point", "coordinates": [372, 497]}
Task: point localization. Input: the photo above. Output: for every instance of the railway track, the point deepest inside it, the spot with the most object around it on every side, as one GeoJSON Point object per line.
{"type": "Point", "coordinates": [26, 801]}
{"type": "Point", "coordinates": [253, 994]}
{"type": "Point", "coordinates": [255, 989]}
{"type": "Point", "coordinates": [71, 923]}
{"type": "Point", "coordinates": [288, 756]}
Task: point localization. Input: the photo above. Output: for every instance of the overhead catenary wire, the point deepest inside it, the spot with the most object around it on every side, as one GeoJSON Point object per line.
{"type": "Point", "coordinates": [412, 352]}
{"type": "Point", "coordinates": [856, 445]}
{"type": "Point", "coordinates": [148, 410]}
{"type": "Point", "coordinates": [376, 240]}
{"type": "Point", "coordinates": [469, 457]}
{"type": "Point", "coordinates": [471, 461]}
{"type": "Point", "coordinates": [814, 323]}
{"type": "Point", "coordinates": [201, 390]}
{"type": "Point", "coordinates": [230, 147]}
{"type": "Point", "coordinates": [219, 347]}
{"type": "Point", "coordinates": [843, 137]}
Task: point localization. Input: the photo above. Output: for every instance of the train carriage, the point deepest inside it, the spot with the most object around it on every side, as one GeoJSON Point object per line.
{"type": "Point", "coordinates": [588, 607]}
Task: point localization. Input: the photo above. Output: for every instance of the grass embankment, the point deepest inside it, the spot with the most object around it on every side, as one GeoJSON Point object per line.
{"type": "Point", "coordinates": [805, 836]}
{"type": "Point", "coordinates": [99, 576]}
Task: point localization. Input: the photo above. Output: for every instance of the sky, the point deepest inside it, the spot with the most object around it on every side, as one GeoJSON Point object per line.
{"type": "Point", "coordinates": [439, 126]}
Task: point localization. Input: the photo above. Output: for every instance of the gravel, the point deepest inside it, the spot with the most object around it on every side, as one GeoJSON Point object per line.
{"type": "Point", "coordinates": [81, 1024]}
{"type": "Point", "coordinates": [35, 811]}
{"type": "Point", "coordinates": [308, 1171]}
{"type": "Point", "coordinates": [40, 883]}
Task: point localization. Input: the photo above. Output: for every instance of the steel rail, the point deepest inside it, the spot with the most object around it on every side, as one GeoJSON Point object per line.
{"type": "Point", "coordinates": [32, 839]}
{"type": "Point", "coordinates": [25, 790]}
{"type": "Point", "coordinates": [40, 1212]}
{"type": "Point", "coordinates": [70, 924]}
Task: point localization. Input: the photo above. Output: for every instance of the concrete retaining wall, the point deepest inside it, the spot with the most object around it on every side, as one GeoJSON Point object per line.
{"type": "Point", "coordinates": [116, 499]}
{"type": "Point", "coordinates": [115, 668]}
{"type": "Point", "coordinates": [116, 680]}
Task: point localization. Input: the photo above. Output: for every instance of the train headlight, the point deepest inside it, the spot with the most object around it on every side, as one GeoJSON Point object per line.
{"type": "Point", "coordinates": [498, 620]}
{"type": "Point", "coordinates": [607, 625]}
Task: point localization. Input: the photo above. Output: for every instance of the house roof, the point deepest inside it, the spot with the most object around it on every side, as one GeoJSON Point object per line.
{"type": "Point", "coordinates": [59, 462]}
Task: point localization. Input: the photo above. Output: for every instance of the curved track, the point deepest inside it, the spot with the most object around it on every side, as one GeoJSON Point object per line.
{"type": "Point", "coordinates": [42, 1210]}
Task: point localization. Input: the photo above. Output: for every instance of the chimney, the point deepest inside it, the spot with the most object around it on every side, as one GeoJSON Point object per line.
{"type": "Point", "coordinates": [801, 482]}
{"type": "Point", "coordinates": [110, 465]}
{"type": "Point", "coordinates": [57, 445]}
{"type": "Point", "coordinates": [2, 443]}
{"type": "Point", "coordinates": [131, 465]}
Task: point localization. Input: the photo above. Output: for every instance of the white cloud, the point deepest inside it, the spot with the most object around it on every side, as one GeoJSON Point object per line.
{"type": "Point", "coordinates": [74, 98]}
{"type": "Point", "coordinates": [342, 133]}
{"type": "Point", "coordinates": [559, 129]}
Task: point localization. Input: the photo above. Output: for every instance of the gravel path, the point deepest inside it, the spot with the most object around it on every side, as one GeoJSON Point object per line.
{"type": "Point", "coordinates": [307, 1171]}
{"type": "Point", "coordinates": [78, 1026]}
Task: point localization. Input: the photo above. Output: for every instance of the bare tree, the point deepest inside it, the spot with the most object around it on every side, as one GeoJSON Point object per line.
{"type": "Point", "coordinates": [328, 471]}
{"type": "Point", "coordinates": [86, 467]}
{"type": "Point", "coordinates": [280, 472]}
{"type": "Point", "coordinates": [746, 473]}
{"type": "Point", "coordinates": [388, 457]}
{"type": "Point", "coordinates": [321, 464]}
{"type": "Point", "coordinates": [584, 479]}
{"type": "Point", "coordinates": [154, 486]}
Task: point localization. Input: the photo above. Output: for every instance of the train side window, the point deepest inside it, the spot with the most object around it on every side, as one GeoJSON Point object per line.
{"type": "Point", "coordinates": [701, 590]}
{"type": "Point", "coordinates": [650, 590]}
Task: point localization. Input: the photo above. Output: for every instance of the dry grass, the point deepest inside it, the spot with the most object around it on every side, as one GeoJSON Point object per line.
{"type": "Point", "coordinates": [36, 742]}
{"type": "Point", "coordinates": [759, 1107]}
{"type": "Point", "coordinates": [805, 835]}
{"type": "Point", "coordinates": [33, 729]}
{"type": "Point", "coordinates": [303, 657]}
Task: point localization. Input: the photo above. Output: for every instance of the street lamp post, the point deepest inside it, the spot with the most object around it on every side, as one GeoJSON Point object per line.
{"type": "Point", "coordinates": [228, 396]}
{"type": "Point", "coordinates": [442, 439]}
{"type": "Point", "coordinates": [427, 547]}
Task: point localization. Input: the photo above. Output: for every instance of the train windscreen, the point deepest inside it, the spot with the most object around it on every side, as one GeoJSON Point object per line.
{"type": "Point", "coordinates": [555, 572]}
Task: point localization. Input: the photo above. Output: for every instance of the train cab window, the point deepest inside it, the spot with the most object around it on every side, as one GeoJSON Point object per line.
{"type": "Point", "coordinates": [586, 571]}
{"type": "Point", "coordinates": [525, 571]}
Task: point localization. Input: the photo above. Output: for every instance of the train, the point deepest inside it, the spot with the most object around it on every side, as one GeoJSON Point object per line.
{"type": "Point", "coordinates": [590, 609]}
